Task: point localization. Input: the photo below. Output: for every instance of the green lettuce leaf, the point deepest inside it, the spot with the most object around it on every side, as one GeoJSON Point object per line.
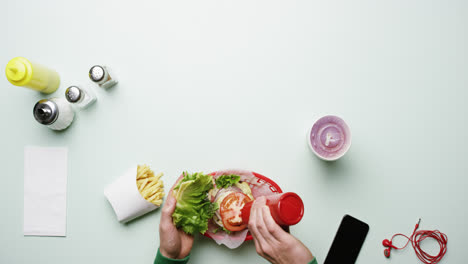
{"type": "Point", "coordinates": [193, 208]}
{"type": "Point", "coordinates": [225, 181]}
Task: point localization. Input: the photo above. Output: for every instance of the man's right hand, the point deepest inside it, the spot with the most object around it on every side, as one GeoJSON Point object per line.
{"type": "Point", "coordinates": [271, 241]}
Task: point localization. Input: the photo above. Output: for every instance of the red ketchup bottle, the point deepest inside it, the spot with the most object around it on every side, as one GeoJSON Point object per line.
{"type": "Point", "coordinates": [286, 208]}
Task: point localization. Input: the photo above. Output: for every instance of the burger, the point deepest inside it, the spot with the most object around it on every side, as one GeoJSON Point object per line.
{"type": "Point", "coordinates": [229, 195]}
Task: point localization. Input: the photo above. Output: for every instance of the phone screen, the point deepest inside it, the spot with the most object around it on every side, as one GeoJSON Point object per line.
{"type": "Point", "coordinates": [348, 241]}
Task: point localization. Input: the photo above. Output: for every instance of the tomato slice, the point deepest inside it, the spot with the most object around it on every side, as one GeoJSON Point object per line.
{"type": "Point", "coordinates": [230, 210]}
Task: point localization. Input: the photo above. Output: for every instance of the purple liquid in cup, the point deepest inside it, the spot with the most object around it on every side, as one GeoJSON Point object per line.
{"type": "Point", "coordinates": [329, 138]}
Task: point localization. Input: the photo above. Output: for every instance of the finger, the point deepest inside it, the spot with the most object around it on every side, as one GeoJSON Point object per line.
{"type": "Point", "coordinates": [253, 213]}
{"type": "Point", "coordinates": [253, 232]}
{"type": "Point", "coordinates": [261, 225]}
{"type": "Point", "coordinates": [252, 219]}
{"type": "Point", "coordinates": [168, 209]}
{"type": "Point", "coordinates": [255, 222]}
{"type": "Point", "coordinates": [264, 240]}
{"type": "Point", "coordinates": [186, 239]}
{"type": "Point", "coordinates": [258, 245]}
{"type": "Point", "coordinates": [177, 181]}
{"type": "Point", "coordinates": [273, 228]}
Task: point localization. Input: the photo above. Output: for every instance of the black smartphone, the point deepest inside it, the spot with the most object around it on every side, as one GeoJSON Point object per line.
{"type": "Point", "coordinates": [348, 241]}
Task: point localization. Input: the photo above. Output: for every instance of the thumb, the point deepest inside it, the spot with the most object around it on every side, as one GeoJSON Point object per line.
{"type": "Point", "coordinates": [168, 208]}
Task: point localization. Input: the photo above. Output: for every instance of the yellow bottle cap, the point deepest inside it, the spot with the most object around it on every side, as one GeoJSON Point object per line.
{"type": "Point", "coordinates": [19, 71]}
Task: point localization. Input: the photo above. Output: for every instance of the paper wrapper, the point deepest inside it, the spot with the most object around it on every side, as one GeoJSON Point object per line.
{"type": "Point", "coordinates": [125, 198]}
{"type": "Point", "coordinates": [261, 186]}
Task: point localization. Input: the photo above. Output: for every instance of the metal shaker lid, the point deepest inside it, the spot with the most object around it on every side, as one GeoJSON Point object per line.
{"type": "Point", "coordinates": [46, 111]}
{"type": "Point", "coordinates": [96, 73]}
{"type": "Point", "coordinates": [73, 94]}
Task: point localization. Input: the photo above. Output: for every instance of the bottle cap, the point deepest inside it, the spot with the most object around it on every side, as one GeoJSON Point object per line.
{"type": "Point", "coordinates": [73, 94]}
{"type": "Point", "coordinates": [291, 208]}
{"type": "Point", "coordinates": [18, 71]}
{"type": "Point", "coordinates": [97, 73]}
{"type": "Point", "coordinates": [46, 112]}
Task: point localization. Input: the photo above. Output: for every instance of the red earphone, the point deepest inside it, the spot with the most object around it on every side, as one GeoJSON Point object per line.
{"type": "Point", "coordinates": [416, 238]}
{"type": "Point", "coordinates": [388, 244]}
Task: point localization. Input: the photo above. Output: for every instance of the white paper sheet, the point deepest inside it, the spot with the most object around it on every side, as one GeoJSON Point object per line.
{"type": "Point", "coordinates": [45, 191]}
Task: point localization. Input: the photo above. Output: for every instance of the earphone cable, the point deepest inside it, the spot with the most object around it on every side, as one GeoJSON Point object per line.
{"type": "Point", "coordinates": [418, 236]}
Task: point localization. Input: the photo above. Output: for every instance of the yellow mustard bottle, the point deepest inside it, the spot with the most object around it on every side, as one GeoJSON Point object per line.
{"type": "Point", "coordinates": [21, 72]}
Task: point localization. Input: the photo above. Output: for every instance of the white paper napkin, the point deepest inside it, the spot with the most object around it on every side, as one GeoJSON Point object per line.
{"type": "Point", "coordinates": [45, 191]}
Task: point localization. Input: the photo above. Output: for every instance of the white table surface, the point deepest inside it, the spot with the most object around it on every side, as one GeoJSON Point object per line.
{"type": "Point", "coordinates": [206, 85]}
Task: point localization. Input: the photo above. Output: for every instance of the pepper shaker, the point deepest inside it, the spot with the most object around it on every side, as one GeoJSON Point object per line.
{"type": "Point", "coordinates": [55, 113]}
{"type": "Point", "coordinates": [79, 97]}
{"type": "Point", "coordinates": [102, 76]}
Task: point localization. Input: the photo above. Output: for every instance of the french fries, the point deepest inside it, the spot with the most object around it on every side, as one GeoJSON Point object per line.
{"type": "Point", "coordinates": [149, 185]}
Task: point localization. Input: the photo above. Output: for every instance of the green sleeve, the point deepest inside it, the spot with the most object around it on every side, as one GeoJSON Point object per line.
{"type": "Point", "coordinates": [160, 259]}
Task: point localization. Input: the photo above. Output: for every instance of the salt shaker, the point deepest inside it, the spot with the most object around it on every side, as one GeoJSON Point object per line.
{"type": "Point", "coordinates": [79, 97]}
{"type": "Point", "coordinates": [102, 76]}
{"type": "Point", "coordinates": [55, 113]}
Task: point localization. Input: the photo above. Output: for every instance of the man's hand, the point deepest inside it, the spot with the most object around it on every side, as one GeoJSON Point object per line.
{"type": "Point", "coordinates": [173, 243]}
{"type": "Point", "coordinates": [271, 241]}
